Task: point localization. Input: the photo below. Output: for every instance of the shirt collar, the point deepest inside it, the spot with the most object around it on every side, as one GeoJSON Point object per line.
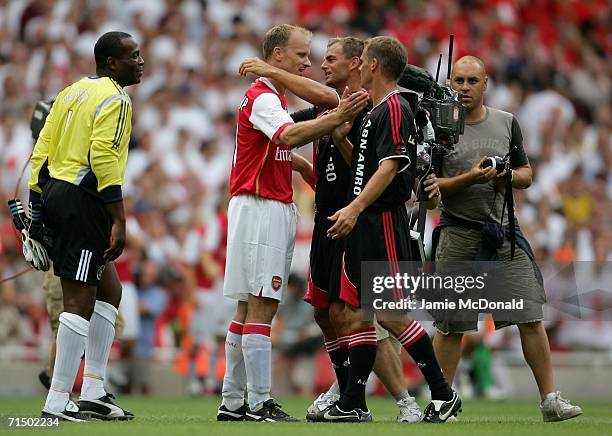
{"type": "Point", "coordinates": [395, 91]}
{"type": "Point", "coordinates": [268, 83]}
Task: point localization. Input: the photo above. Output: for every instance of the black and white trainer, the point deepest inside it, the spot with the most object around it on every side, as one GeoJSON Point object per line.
{"type": "Point", "coordinates": [317, 408]}
{"type": "Point", "coordinates": [320, 415]}
{"type": "Point", "coordinates": [225, 414]}
{"type": "Point", "coordinates": [439, 411]}
{"type": "Point", "coordinates": [271, 411]}
{"type": "Point", "coordinates": [105, 409]}
{"type": "Point", "coordinates": [335, 414]}
{"type": "Point", "coordinates": [70, 413]}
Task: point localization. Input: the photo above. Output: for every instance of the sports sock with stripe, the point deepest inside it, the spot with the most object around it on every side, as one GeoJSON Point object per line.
{"type": "Point", "coordinates": [338, 353]}
{"type": "Point", "coordinates": [234, 381]}
{"type": "Point", "coordinates": [257, 350]}
{"type": "Point", "coordinates": [362, 348]}
{"type": "Point", "coordinates": [418, 344]}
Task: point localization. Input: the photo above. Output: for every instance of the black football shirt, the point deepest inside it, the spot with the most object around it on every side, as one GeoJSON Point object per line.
{"type": "Point", "coordinates": [387, 131]}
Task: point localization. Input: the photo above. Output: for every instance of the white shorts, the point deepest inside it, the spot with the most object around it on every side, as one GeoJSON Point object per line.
{"type": "Point", "coordinates": [260, 242]}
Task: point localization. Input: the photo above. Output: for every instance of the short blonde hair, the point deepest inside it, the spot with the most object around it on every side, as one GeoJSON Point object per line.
{"type": "Point", "coordinates": [278, 36]}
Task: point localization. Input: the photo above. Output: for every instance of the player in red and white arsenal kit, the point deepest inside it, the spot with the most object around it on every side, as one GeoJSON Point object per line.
{"type": "Point", "coordinates": [262, 222]}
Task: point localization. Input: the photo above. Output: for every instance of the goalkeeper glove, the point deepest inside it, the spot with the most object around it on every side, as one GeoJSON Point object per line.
{"type": "Point", "coordinates": [35, 237]}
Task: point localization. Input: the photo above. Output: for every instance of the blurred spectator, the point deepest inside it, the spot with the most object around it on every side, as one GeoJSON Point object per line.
{"type": "Point", "coordinates": [10, 318]}
{"type": "Point", "coordinates": [548, 62]}
{"type": "Point", "coordinates": [152, 301]}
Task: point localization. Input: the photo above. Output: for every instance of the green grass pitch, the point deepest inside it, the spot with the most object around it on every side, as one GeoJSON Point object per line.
{"type": "Point", "coordinates": [157, 416]}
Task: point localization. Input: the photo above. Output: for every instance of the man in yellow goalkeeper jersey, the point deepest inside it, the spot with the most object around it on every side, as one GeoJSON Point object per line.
{"type": "Point", "coordinates": [78, 166]}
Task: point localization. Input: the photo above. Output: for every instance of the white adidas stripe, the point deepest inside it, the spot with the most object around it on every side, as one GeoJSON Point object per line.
{"type": "Point", "coordinates": [85, 269]}
{"type": "Point", "coordinates": [80, 265]}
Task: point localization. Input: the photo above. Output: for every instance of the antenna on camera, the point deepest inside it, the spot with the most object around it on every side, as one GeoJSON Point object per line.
{"type": "Point", "coordinates": [438, 69]}
{"type": "Point", "coordinates": [450, 57]}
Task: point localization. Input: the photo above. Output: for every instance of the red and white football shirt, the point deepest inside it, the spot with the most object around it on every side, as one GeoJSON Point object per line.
{"type": "Point", "coordinates": [262, 164]}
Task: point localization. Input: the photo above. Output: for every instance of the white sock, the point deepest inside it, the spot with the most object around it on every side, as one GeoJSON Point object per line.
{"type": "Point", "coordinates": [234, 381]}
{"type": "Point", "coordinates": [70, 343]}
{"type": "Point", "coordinates": [101, 335]}
{"type": "Point", "coordinates": [257, 350]}
{"type": "Point", "coordinates": [404, 395]}
{"type": "Point", "coordinates": [334, 389]}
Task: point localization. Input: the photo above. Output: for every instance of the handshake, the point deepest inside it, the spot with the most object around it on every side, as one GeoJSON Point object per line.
{"type": "Point", "coordinates": [36, 238]}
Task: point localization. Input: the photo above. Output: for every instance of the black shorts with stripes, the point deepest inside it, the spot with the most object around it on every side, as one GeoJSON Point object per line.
{"type": "Point", "coordinates": [81, 228]}
{"type": "Point", "coordinates": [325, 263]}
{"type": "Point", "coordinates": [379, 235]}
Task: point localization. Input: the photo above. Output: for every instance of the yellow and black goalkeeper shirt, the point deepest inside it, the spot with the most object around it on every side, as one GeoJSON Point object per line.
{"type": "Point", "coordinates": [85, 139]}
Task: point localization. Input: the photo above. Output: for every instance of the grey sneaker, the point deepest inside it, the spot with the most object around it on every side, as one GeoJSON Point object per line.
{"type": "Point", "coordinates": [556, 408]}
{"type": "Point", "coordinates": [409, 410]}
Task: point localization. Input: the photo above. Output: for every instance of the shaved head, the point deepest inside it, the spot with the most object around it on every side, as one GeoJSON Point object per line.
{"type": "Point", "coordinates": [472, 61]}
{"type": "Point", "coordinates": [469, 77]}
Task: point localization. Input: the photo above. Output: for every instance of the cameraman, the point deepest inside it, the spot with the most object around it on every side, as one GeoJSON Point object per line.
{"type": "Point", "coordinates": [472, 205]}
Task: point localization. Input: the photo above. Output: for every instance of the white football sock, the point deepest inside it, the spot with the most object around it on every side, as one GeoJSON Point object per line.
{"type": "Point", "coordinates": [334, 389]}
{"type": "Point", "coordinates": [101, 335]}
{"type": "Point", "coordinates": [234, 381]}
{"type": "Point", "coordinates": [70, 342]}
{"type": "Point", "coordinates": [257, 350]}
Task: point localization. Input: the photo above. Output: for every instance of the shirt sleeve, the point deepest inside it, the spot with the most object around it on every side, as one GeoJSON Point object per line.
{"type": "Point", "coordinates": [39, 170]}
{"type": "Point", "coordinates": [308, 114]}
{"type": "Point", "coordinates": [111, 123]}
{"type": "Point", "coordinates": [394, 135]}
{"type": "Point", "coordinates": [517, 151]}
{"type": "Point", "coordinates": [268, 115]}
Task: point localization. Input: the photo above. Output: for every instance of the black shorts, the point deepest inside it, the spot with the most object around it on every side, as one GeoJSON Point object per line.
{"type": "Point", "coordinates": [378, 236]}
{"type": "Point", "coordinates": [81, 228]}
{"type": "Point", "coordinates": [325, 264]}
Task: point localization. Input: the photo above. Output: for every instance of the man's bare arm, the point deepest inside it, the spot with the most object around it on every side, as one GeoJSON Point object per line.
{"type": "Point", "coordinates": [346, 217]}
{"type": "Point", "coordinates": [304, 132]}
{"type": "Point", "coordinates": [305, 88]}
{"type": "Point", "coordinates": [344, 146]}
{"type": "Point", "coordinates": [303, 166]}
{"type": "Point", "coordinates": [474, 176]}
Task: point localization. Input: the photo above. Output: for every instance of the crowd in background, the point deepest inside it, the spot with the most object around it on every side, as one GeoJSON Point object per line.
{"type": "Point", "coordinates": [548, 62]}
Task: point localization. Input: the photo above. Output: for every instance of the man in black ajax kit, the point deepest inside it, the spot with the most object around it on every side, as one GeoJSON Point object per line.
{"type": "Point", "coordinates": [332, 173]}
{"type": "Point", "coordinates": [383, 172]}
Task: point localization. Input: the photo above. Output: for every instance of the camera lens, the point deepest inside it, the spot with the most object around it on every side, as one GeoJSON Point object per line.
{"type": "Point", "coordinates": [488, 162]}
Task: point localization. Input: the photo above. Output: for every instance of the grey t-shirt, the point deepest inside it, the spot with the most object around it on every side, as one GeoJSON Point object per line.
{"type": "Point", "coordinates": [496, 135]}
